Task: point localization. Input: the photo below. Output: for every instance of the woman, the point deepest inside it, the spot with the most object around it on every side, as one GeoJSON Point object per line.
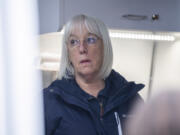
{"type": "Point", "coordinates": [88, 98]}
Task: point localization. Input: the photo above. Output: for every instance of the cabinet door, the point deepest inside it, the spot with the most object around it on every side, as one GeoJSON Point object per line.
{"type": "Point", "coordinates": [48, 15]}
{"type": "Point", "coordinates": [54, 13]}
{"type": "Point", "coordinates": [111, 12]}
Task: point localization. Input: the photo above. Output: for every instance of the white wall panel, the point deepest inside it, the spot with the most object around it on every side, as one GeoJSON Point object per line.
{"type": "Point", "coordinates": [132, 59]}
{"type": "Point", "coordinates": [167, 67]}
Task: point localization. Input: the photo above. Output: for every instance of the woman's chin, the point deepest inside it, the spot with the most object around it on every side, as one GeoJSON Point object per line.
{"type": "Point", "coordinates": [87, 72]}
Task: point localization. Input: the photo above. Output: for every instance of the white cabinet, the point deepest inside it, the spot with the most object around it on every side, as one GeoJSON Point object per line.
{"type": "Point", "coordinates": [48, 15]}
{"type": "Point", "coordinates": [111, 12]}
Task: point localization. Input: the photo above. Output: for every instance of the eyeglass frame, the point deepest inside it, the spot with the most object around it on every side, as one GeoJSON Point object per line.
{"type": "Point", "coordinates": [85, 41]}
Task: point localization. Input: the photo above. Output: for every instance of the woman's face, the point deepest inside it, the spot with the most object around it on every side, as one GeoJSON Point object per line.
{"type": "Point", "coordinates": [85, 52]}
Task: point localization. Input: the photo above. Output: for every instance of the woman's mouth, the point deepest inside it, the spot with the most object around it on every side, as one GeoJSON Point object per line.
{"type": "Point", "coordinates": [84, 61]}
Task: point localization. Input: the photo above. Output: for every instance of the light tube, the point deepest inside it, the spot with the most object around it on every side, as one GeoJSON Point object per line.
{"type": "Point", "coordinates": [139, 36]}
{"type": "Point", "coordinates": [142, 36]}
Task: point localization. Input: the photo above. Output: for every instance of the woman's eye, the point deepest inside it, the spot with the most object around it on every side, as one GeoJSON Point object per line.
{"type": "Point", "coordinates": [91, 40]}
{"type": "Point", "coordinates": [74, 42]}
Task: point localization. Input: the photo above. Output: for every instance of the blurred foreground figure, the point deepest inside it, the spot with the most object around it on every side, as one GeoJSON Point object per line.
{"type": "Point", "coordinates": [160, 116]}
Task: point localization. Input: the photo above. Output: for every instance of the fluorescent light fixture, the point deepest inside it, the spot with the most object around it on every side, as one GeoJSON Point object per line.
{"type": "Point", "coordinates": [142, 36]}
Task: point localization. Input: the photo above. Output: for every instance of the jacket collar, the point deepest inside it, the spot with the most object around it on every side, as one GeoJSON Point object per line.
{"type": "Point", "coordinates": [127, 92]}
{"type": "Point", "coordinates": [117, 90]}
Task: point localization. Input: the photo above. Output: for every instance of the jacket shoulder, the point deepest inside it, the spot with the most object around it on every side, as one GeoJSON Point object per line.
{"type": "Point", "coordinates": [52, 115]}
{"type": "Point", "coordinates": [136, 99]}
{"type": "Point", "coordinates": [130, 104]}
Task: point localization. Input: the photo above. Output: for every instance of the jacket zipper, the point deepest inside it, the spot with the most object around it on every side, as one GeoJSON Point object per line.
{"type": "Point", "coordinates": [101, 110]}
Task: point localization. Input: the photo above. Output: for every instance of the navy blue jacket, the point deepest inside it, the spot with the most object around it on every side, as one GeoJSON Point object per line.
{"type": "Point", "coordinates": [71, 111]}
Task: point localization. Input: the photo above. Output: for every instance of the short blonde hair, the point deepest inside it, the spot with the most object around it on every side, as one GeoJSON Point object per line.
{"type": "Point", "coordinates": [96, 27]}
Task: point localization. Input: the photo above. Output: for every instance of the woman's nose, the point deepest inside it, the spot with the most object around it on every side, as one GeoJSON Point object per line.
{"type": "Point", "coordinates": [82, 47]}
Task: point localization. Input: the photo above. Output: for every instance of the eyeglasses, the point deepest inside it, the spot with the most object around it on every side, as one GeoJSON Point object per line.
{"type": "Point", "coordinates": [90, 40]}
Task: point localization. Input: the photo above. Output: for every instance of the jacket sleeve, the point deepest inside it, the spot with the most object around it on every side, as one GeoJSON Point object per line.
{"type": "Point", "coordinates": [51, 119]}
